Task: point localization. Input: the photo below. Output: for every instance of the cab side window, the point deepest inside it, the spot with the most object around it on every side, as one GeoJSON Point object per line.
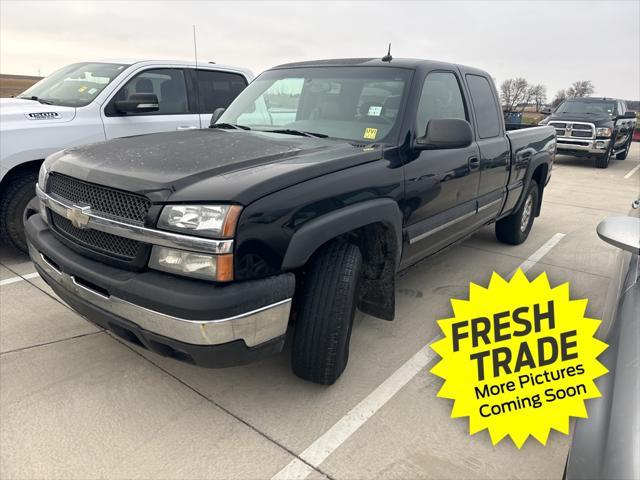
{"type": "Point", "coordinates": [622, 108]}
{"type": "Point", "coordinates": [218, 89]}
{"type": "Point", "coordinates": [485, 106]}
{"type": "Point", "coordinates": [441, 98]}
{"type": "Point", "coordinates": [168, 84]}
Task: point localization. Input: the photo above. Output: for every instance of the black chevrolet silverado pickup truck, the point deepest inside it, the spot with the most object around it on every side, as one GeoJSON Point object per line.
{"type": "Point", "coordinates": [595, 127]}
{"type": "Point", "coordinates": [309, 193]}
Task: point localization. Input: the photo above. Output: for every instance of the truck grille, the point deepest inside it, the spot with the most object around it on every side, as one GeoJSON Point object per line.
{"type": "Point", "coordinates": [581, 133]}
{"type": "Point", "coordinates": [105, 243]}
{"type": "Point", "coordinates": [573, 129]}
{"type": "Point", "coordinates": [104, 201]}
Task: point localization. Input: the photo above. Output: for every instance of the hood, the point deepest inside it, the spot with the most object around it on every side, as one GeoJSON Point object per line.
{"type": "Point", "coordinates": [598, 120]}
{"type": "Point", "coordinates": [20, 110]}
{"type": "Point", "coordinates": [210, 164]}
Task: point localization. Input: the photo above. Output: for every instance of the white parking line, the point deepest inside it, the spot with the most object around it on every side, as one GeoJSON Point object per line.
{"type": "Point", "coordinates": [8, 281]}
{"type": "Point", "coordinates": [324, 446]}
{"type": "Point", "coordinates": [538, 254]}
{"type": "Point", "coordinates": [633, 170]}
{"type": "Point", "coordinates": [328, 442]}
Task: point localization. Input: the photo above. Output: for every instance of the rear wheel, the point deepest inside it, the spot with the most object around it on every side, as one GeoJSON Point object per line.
{"type": "Point", "coordinates": [17, 203]}
{"type": "Point", "coordinates": [515, 228]}
{"type": "Point", "coordinates": [324, 311]}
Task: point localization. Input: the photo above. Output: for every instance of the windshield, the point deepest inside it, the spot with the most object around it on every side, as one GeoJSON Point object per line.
{"type": "Point", "coordinates": [74, 85]}
{"type": "Point", "coordinates": [355, 103]}
{"type": "Point", "coordinates": [588, 107]}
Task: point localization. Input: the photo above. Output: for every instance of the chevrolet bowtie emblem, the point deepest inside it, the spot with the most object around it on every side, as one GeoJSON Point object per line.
{"type": "Point", "coordinates": [79, 216]}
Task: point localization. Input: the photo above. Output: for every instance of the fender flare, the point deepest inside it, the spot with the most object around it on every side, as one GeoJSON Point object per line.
{"type": "Point", "coordinates": [532, 168]}
{"type": "Point", "coordinates": [317, 232]}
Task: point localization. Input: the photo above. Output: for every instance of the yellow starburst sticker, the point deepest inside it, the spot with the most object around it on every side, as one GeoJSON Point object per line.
{"type": "Point", "coordinates": [519, 358]}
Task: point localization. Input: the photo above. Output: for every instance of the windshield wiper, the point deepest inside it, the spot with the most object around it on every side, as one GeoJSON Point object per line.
{"type": "Point", "coordinates": [41, 100]}
{"type": "Point", "coordinates": [302, 133]}
{"type": "Point", "coordinates": [229, 125]}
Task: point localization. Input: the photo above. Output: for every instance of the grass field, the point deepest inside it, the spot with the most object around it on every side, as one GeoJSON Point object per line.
{"type": "Point", "coordinates": [12, 85]}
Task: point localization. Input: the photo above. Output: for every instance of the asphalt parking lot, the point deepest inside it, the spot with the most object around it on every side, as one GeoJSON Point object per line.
{"type": "Point", "coordinates": [76, 402]}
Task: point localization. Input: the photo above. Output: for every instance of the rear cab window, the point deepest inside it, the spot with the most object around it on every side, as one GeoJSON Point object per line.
{"type": "Point", "coordinates": [485, 106]}
{"type": "Point", "coordinates": [217, 89]}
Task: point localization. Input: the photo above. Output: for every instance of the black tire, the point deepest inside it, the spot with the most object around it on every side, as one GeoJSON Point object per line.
{"type": "Point", "coordinates": [324, 311]}
{"type": "Point", "coordinates": [602, 161]}
{"type": "Point", "coordinates": [14, 206]}
{"type": "Point", "coordinates": [623, 155]}
{"type": "Point", "coordinates": [515, 228]}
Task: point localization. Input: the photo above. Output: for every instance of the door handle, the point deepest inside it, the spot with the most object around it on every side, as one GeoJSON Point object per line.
{"type": "Point", "coordinates": [474, 163]}
{"type": "Point", "coordinates": [187, 127]}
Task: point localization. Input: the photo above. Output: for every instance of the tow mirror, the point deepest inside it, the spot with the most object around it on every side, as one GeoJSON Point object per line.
{"type": "Point", "coordinates": [545, 111]}
{"type": "Point", "coordinates": [138, 103]}
{"type": "Point", "coordinates": [445, 133]}
{"type": "Point", "coordinates": [628, 115]}
{"type": "Point", "coordinates": [621, 232]}
{"type": "Point", "coordinates": [217, 113]}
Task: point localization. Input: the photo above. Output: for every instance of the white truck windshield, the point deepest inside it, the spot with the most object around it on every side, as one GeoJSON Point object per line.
{"type": "Point", "coordinates": [75, 85]}
{"type": "Point", "coordinates": [354, 103]}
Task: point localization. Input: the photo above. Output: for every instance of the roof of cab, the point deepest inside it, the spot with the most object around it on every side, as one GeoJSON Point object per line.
{"type": "Point", "coordinates": [411, 63]}
{"type": "Point", "coordinates": [187, 63]}
{"type": "Point", "coordinates": [592, 99]}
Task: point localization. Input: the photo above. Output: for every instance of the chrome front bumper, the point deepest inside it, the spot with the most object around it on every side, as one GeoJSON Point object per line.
{"type": "Point", "coordinates": [583, 145]}
{"type": "Point", "coordinates": [254, 327]}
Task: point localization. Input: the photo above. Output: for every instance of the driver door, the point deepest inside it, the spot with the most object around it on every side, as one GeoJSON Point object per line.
{"type": "Point", "coordinates": [174, 113]}
{"type": "Point", "coordinates": [441, 185]}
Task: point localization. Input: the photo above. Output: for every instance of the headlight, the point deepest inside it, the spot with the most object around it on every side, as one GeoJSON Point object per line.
{"type": "Point", "coordinates": [43, 175]}
{"type": "Point", "coordinates": [213, 221]}
{"type": "Point", "coordinates": [192, 264]}
{"type": "Point", "coordinates": [603, 132]}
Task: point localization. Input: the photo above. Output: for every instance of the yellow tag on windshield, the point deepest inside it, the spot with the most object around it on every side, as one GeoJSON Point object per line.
{"type": "Point", "coordinates": [370, 133]}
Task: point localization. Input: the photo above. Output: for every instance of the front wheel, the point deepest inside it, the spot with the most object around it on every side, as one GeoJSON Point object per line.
{"type": "Point", "coordinates": [602, 161]}
{"type": "Point", "coordinates": [17, 203]}
{"type": "Point", "coordinates": [515, 228]}
{"type": "Point", "coordinates": [324, 311]}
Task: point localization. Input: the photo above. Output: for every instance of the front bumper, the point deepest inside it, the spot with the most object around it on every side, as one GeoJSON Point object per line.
{"type": "Point", "coordinates": [198, 322]}
{"type": "Point", "coordinates": [586, 145]}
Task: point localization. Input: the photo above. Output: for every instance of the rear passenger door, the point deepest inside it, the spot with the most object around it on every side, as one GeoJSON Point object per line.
{"type": "Point", "coordinates": [495, 154]}
{"type": "Point", "coordinates": [440, 185]}
{"type": "Point", "coordinates": [216, 89]}
{"type": "Point", "coordinates": [175, 112]}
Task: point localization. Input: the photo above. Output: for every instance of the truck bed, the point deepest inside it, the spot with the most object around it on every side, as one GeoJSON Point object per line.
{"type": "Point", "coordinates": [534, 139]}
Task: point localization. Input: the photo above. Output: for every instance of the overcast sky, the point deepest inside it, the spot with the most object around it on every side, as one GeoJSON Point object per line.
{"type": "Point", "coordinates": [553, 43]}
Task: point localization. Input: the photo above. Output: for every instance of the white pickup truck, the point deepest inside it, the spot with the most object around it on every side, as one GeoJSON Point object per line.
{"type": "Point", "coordinates": [96, 101]}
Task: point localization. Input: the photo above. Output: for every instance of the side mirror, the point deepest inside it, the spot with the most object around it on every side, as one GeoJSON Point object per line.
{"type": "Point", "coordinates": [545, 111]}
{"type": "Point", "coordinates": [217, 113]}
{"type": "Point", "coordinates": [628, 115]}
{"type": "Point", "coordinates": [445, 133]}
{"type": "Point", "coordinates": [138, 103]}
{"type": "Point", "coordinates": [621, 232]}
